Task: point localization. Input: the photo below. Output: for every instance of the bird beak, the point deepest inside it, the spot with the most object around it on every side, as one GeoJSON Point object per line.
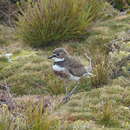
{"type": "Point", "coordinates": [50, 57]}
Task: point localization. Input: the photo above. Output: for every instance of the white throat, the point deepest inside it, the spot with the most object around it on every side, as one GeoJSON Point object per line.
{"type": "Point", "coordinates": [57, 59]}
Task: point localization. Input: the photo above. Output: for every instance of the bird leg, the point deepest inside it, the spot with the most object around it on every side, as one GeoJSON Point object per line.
{"type": "Point", "coordinates": [67, 97]}
{"type": "Point", "coordinates": [89, 67]}
{"type": "Point", "coordinates": [66, 90]}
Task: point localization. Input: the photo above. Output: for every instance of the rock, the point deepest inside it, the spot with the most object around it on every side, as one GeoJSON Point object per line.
{"type": "Point", "coordinates": [8, 56]}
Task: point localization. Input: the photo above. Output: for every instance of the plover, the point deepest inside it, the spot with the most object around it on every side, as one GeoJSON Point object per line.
{"type": "Point", "coordinates": [67, 67]}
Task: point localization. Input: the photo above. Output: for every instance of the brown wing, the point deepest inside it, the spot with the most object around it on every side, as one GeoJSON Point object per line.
{"type": "Point", "coordinates": [76, 68]}
{"type": "Point", "coordinates": [62, 74]}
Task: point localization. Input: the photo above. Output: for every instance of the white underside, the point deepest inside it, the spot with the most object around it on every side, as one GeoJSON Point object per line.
{"type": "Point", "coordinates": [57, 59]}
{"type": "Point", "coordinates": [74, 77]}
{"type": "Point", "coordinates": [71, 77]}
{"type": "Point", "coordinates": [58, 68]}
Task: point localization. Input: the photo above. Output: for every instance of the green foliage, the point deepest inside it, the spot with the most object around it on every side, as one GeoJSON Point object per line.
{"type": "Point", "coordinates": [33, 118]}
{"type": "Point", "coordinates": [85, 84]}
{"type": "Point", "coordinates": [107, 116]}
{"type": "Point", "coordinates": [47, 21]}
{"type": "Point", "coordinates": [38, 119]}
{"type": "Point", "coordinates": [120, 4]}
{"type": "Point", "coordinates": [102, 68]}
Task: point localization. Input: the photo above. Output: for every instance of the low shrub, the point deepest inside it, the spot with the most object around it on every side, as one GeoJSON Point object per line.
{"type": "Point", "coordinates": [120, 4]}
{"type": "Point", "coordinates": [8, 11]}
{"type": "Point", "coordinates": [47, 21]}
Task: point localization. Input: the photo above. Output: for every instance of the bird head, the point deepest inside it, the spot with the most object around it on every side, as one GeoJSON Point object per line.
{"type": "Point", "coordinates": [59, 54]}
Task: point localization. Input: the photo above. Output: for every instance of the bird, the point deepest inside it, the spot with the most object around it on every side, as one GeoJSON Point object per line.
{"type": "Point", "coordinates": [67, 67]}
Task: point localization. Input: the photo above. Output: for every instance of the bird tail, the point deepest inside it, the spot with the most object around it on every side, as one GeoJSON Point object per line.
{"type": "Point", "coordinates": [88, 74]}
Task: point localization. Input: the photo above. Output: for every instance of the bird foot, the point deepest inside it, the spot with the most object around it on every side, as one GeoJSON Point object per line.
{"type": "Point", "coordinates": [65, 99]}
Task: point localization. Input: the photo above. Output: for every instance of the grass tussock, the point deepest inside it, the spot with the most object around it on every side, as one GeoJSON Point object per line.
{"type": "Point", "coordinates": [101, 68]}
{"type": "Point", "coordinates": [38, 119]}
{"type": "Point", "coordinates": [107, 116]}
{"type": "Point", "coordinates": [47, 21]}
{"type": "Point", "coordinates": [35, 117]}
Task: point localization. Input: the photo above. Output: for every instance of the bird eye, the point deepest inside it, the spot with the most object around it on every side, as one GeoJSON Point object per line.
{"type": "Point", "coordinates": [57, 54]}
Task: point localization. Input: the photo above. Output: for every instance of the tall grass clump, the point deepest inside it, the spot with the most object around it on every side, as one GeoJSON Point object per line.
{"type": "Point", "coordinates": [34, 117]}
{"type": "Point", "coordinates": [101, 68]}
{"type": "Point", "coordinates": [108, 116]}
{"type": "Point", "coordinates": [48, 21]}
{"type": "Point", "coordinates": [38, 119]}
